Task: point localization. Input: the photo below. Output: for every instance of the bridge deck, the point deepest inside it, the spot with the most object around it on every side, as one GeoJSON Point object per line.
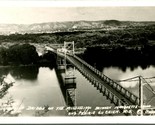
{"type": "Point", "coordinates": [78, 64]}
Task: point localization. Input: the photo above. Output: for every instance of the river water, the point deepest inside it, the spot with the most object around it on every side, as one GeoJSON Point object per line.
{"type": "Point", "coordinates": [132, 85]}
{"type": "Point", "coordinates": [38, 87]}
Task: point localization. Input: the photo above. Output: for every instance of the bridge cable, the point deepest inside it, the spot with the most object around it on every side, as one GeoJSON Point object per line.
{"type": "Point", "coordinates": [127, 79]}
{"type": "Point", "coordinates": [144, 80]}
{"type": "Point", "coordinates": [148, 85]}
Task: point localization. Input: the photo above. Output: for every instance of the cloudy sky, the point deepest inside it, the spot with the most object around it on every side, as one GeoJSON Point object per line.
{"type": "Point", "coordinates": [28, 15]}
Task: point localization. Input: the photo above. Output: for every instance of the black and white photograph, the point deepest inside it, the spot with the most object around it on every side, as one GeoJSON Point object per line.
{"type": "Point", "coordinates": [77, 61]}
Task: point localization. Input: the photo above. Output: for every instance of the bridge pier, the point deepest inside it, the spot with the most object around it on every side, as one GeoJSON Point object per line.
{"type": "Point", "coordinates": [70, 80]}
{"type": "Point", "coordinates": [70, 85]}
{"type": "Point", "coordinates": [71, 96]}
{"type": "Point", "coordinates": [61, 64]}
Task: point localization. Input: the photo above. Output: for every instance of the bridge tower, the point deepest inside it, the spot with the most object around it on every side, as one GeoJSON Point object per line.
{"type": "Point", "coordinates": [69, 71]}
{"type": "Point", "coordinates": [141, 96]}
{"type": "Point", "coordinates": [69, 78]}
{"type": "Point", "coordinates": [69, 46]}
{"type": "Point", "coordinates": [142, 105]}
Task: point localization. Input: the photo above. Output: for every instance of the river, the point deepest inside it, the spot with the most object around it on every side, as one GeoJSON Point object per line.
{"type": "Point", "coordinates": [38, 87]}
{"type": "Point", "coordinates": [132, 85]}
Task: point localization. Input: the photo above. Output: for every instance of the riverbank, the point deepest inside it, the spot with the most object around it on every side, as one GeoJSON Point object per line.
{"type": "Point", "coordinates": [120, 56]}
{"type": "Point", "coordinates": [25, 55]}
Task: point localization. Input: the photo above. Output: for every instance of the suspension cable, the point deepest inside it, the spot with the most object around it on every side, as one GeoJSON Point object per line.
{"type": "Point", "coordinates": [127, 79]}
{"type": "Point", "coordinates": [144, 80]}
{"type": "Point", "coordinates": [148, 84]}
{"type": "Point", "coordinates": [131, 79]}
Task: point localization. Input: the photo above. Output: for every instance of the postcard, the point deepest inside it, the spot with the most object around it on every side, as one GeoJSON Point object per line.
{"type": "Point", "coordinates": [64, 61]}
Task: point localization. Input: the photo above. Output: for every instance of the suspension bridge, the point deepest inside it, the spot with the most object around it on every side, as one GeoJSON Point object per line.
{"type": "Point", "coordinates": [116, 93]}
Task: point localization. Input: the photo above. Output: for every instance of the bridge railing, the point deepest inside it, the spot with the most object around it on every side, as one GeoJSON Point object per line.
{"type": "Point", "coordinates": [133, 98]}
{"type": "Point", "coordinates": [100, 86]}
{"type": "Point", "coordinates": [111, 82]}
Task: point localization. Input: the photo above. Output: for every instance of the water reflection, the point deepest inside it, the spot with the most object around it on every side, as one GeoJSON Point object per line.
{"type": "Point", "coordinates": [67, 86]}
{"type": "Point", "coordinates": [43, 89]}
{"type": "Point", "coordinates": [117, 74]}
{"type": "Point", "coordinates": [40, 87]}
{"type": "Point", "coordinates": [25, 72]}
{"type": "Point", "coordinates": [21, 72]}
{"type": "Point", "coordinates": [124, 67]}
{"type": "Point", "coordinates": [34, 87]}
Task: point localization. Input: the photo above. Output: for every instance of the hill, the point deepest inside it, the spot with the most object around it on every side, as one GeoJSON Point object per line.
{"type": "Point", "coordinates": [51, 27]}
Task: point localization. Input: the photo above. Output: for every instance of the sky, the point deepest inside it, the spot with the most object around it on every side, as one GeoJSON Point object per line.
{"type": "Point", "coordinates": [29, 15]}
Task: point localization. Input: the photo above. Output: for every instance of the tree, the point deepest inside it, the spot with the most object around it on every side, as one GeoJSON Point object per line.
{"type": "Point", "coordinates": [22, 54]}
{"type": "Point", "coordinates": [3, 56]}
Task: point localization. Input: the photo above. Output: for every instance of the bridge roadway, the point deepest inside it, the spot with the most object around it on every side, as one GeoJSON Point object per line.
{"type": "Point", "coordinates": [80, 66]}
{"type": "Point", "coordinates": [118, 93]}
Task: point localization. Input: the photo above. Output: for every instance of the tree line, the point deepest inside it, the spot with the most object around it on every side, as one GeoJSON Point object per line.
{"type": "Point", "coordinates": [128, 36]}
{"type": "Point", "coordinates": [24, 54]}
{"type": "Point", "coordinates": [120, 56]}
{"type": "Point", "coordinates": [128, 45]}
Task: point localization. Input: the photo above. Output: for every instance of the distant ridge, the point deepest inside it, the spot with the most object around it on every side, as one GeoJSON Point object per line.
{"type": "Point", "coordinates": [66, 26]}
{"type": "Point", "coordinates": [112, 22]}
